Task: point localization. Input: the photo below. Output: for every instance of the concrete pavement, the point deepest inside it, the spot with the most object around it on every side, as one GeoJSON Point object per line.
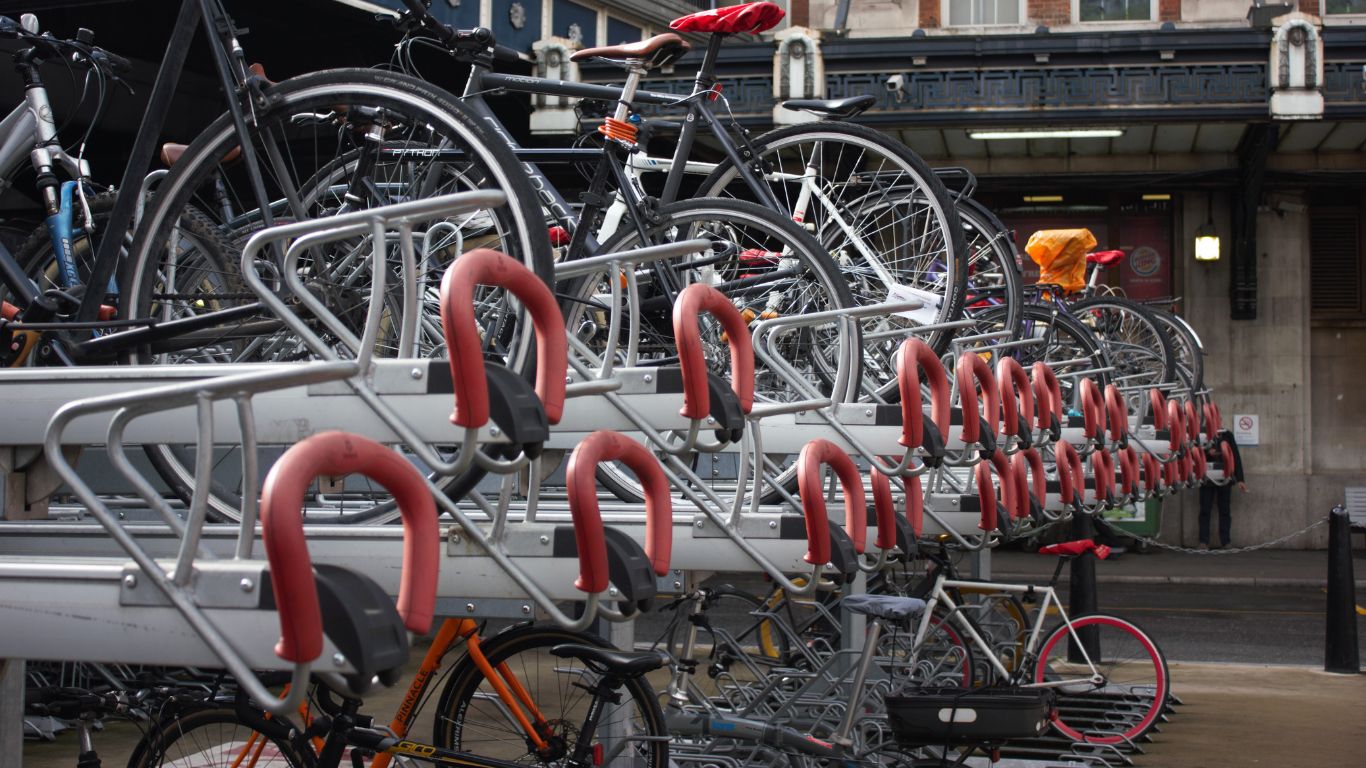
{"type": "Point", "coordinates": [1267, 568]}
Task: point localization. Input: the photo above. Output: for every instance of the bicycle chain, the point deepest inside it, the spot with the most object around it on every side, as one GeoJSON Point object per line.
{"type": "Point", "coordinates": [1224, 551]}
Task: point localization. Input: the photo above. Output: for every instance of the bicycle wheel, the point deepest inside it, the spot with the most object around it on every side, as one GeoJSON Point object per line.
{"type": "Point", "coordinates": [993, 271]}
{"type": "Point", "coordinates": [329, 142]}
{"type": "Point", "coordinates": [944, 658]}
{"type": "Point", "coordinates": [472, 718]}
{"type": "Point", "coordinates": [1072, 348]}
{"type": "Point", "coordinates": [882, 214]}
{"type": "Point", "coordinates": [768, 267]}
{"type": "Point", "coordinates": [1133, 687]}
{"type": "Point", "coordinates": [735, 628]}
{"type": "Point", "coordinates": [1187, 351]}
{"type": "Point", "coordinates": [1134, 341]}
{"type": "Point", "coordinates": [210, 738]}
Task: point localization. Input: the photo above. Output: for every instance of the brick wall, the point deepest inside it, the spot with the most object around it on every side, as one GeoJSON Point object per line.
{"type": "Point", "coordinates": [1052, 13]}
{"type": "Point", "coordinates": [1169, 10]}
{"type": "Point", "coordinates": [1309, 6]}
{"type": "Point", "coordinates": [929, 14]}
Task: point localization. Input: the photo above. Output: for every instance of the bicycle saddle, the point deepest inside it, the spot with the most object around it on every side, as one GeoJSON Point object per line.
{"type": "Point", "coordinates": [842, 109]}
{"type": "Point", "coordinates": [747, 17]}
{"type": "Point", "coordinates": [658, 51]}
{"type": "Point", "coordinates": [1105, 258]}
{"type": "Point", "coordinates": [620, 663]}
{"type": "Point", "coordinates": [1078, 547]}
{"type": "Point", "coordinates": [890, 607]}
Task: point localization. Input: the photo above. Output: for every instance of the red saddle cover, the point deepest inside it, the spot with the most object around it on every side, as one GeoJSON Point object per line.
{"type": "Point", "coordinates": [1077, 547]}
{"type": "Point", "coordinates": [746, 17]}
{"type": "Point", "coordinates": [1105, 258]}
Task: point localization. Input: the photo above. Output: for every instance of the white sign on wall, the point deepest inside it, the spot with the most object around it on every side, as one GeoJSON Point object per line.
{"type": "Point", "coordinates": [1246, 428]}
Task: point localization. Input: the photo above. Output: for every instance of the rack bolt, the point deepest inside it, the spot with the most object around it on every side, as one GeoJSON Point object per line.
{"type": "Point", "coordinates": [772, 524]}
{"type": "Point", "coordinates": [338, 659]}
{"type": "Point", "coordinates": [130, 581]}
{"type": "Point", "coordinates": [678, 585]}
{"type": "Point", "coordinates": [711, 419]}
{"type": "Point", "coordinates": [649, 377]}
{"type": "Point", "coordinates": [700, 523]}
{"type": "Point", "coordinates": [569, 380]}
{"type": "Point", "coordinates": [868, 412]}
{"type": "Point", "coordinates": [455, 537]}
{"type": "Point", "coordinates": [495, 431]}
{"type": "Point", "coordinates": [469, 607]}
{"type": "Point", "coordinates": [246, 584]}
{"type": "Point", "coordinates": [416, 373]}
{"type": "Point", "coordinates": [545, 539]}
{"type": "Point", "coordinates": [612, 591]}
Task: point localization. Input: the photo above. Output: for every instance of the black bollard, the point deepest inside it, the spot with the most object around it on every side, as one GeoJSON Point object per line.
{"type": "Point", "coordinates": [1081, 591]}
{"type": "Point", "coordinates": [1341, 653]}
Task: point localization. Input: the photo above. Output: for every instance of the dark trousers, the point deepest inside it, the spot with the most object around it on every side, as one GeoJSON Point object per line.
{"type": "Point", "coordinates": [1208, 494]}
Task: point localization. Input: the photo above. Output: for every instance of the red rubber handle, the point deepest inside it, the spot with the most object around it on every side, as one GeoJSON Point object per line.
{"type": "Point", "coordinates": [8, 311]}
{"type": "Point", "coordinates": [1035, 461]}
{"type": "Point", "coordinates": [582, 485]}
{"type": "Point", "coordinates": [484, 266]}
{"type": "Point", "coordinates": [1152, 473]}
{"type": "Point", "coordinates": [917, 358]}
{"type": "Point", "coordinates": [1200, 465]}
{"type": "Point", "coordinates": [1172, 472]}
{"type": "Point", "coordinates": [885, 510]}
{"type": "Point", "coordinates": [1071, 481]}
{"type": "Point", "coordinates": [1093, 410]}
{"type": "Point", "coordinates": [972, 371]}
{"type": "Point", "coordinates": [811, 490]}
{"type": "Point", "coordinates": [915, 504]}
{"type": "Point", "coordinates": [1019, 476]}
{"type": "Point", "coordinates": [1176, 422]}
{"type": "Point", "coordinates": [337, 454]}
{"type": "Point", "coordinates": [1192, 421]}
{"type": "Point", "coordinates": [694, 300]}
{"type": "Point", "coordinates": [1213, 423]}
{"type": "Point", "coordinates": [1103, 473]}
{"type": "Point", "coordinates": [986, 495]}
{"type": "Point", "coordinates": [1128, 469]}
{"type": "Point", "coordinates": [1230, 464]}
{"type": "Point", "coordinates": [1017, 395]}
{"type": "Point", "coordinates": [1046, 386]}
{"type": "Point", "coordinates": [1117, 413]}
{"type": "Point", "coordinates": [1158, 404]}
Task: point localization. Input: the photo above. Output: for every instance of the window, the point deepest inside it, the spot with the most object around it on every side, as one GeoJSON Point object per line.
{"type": "Point", "coordinates": [1331, 7]}
{"type": "Point", "coordinates": [1335, 273]}
{"type": "Point", "coordinates": [968, 13]}
{"type": "Point", "coordinates": [1115, 10]}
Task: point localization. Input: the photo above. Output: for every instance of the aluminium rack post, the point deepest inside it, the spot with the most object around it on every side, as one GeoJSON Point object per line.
{"type": "Point", "coordinates": [12, 711]}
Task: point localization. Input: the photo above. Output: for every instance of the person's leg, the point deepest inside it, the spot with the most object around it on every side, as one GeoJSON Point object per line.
{"type": "Point", "coordinates": [1206, 501]}
{"type": "Point", "coordinates": [1225, 513]}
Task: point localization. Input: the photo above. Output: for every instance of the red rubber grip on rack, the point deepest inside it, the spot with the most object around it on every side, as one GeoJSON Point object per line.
{"type": "Point", "coordinates": [1035, 461]}
{"type": "Point", "coordinates": [1071, 481]}
{"type": "Point", "coordinates": [484, 266]}
{"type": "Point", "coordinates": [915, 504]}
{"type": "Point", "coordinates": [1230, 464]}
{"type": "Point", "coordinates": [8, 311]}
{"type": "Point", "coordinates": [582, 485]}
{"type": "Point", "coordinates": [885, 510]}
{"type": "Point", "coordinates": [1212, 421]}
{"type": "Point", "coordinates": [1200, 465]}
{"type": "Point", "coordinates": [1001, 465]}
{"type": "Point", "coordinates": [1171, 473]}
{"type": "Point", "coordinates": [1103, 473]}
{"type": "Point", "coordinates": [1128, 469]}
{"type": "Point", "coordinates": [1046, 386]}
{"type": "Point", "coordinates": [1017, 395]}
{"type": "Point", "coordinates": [1176, 423]}
{"type": "Point", "coordinates": [972, 371]}
{"type": "Point", "coordinates": [1019, 476]}
{"type": "Point", "coordinates": [986, 495]}
{"type": "Point", "coordinates": [694, 300]}
{"type": "Point", "coordinates": [1158, 405]}
{"type": "Point", "coordinates": [1092, 409]}
{"type": "Point", "coordinates": [811, 490]}
{"type": "Point", "coordinates": [1192, 421]}
{"type": "Point", "coordinates": [1152, 473]}
{"type": "Point", "coordinates": [917, 358]}
{"type": "Point", "coordinates": [1117, 412]}
{"type": "Point", "coordinates": [337, 454]}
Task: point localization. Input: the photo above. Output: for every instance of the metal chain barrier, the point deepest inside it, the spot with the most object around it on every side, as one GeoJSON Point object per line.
{"type": "Point", "coordinates": [1224, 551]}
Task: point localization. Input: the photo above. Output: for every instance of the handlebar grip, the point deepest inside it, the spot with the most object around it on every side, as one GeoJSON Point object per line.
{"type": "Point", "coordinates": [505, 54]}
{"type": "Point", "coordinates": [114, 62]}
{"type": "Point", "coordinates": [692, 301]}
{"type": "Point", "coordinates": [1117, 413]}
{"type": "Point", "coordinates": [972, 370]}
{"type": "Point", "coordinates": [884, 509]}
{"type": "Point", "coordinates": [296, 594]}
{"type": "Point", "coordinates": [916, 357]}
{"type": "Point", "coordinates": [582, 485]}
{"type": "Point", "coordinates": [484, 266]}
{"type": "Point", "coordinates": [1158, 405]}
{"type": "Point", "coordinates": [1046, 389]}
{"type": "Point", "coordinates": [915, 504]}
{"type": "Point", "coordinates": [1017, 395]}
{"type": "Point", "coordinates": [810, 490]}
{"type": "Point", "coordinates": [1092, 409]}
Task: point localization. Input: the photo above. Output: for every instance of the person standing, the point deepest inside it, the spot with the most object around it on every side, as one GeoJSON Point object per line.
{"type": "Point", "coordinates": [1212, 493]}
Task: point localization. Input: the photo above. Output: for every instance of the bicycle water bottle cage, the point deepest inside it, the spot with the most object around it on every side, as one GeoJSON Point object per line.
{"type": "Point", "coordinates": [361, 620]}
{"type": "Point", "coordinates": [724, 404]}
{"type": "Point", "coordinates": [513, 405]}
{"type": "Point", "coordinates": [836, 109]}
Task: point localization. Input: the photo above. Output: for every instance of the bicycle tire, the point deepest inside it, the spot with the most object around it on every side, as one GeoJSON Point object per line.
{"type": "Point", "coordinates": [1063, 339]}
{"type": "Point", "coordinates": [213, 737]}
{"type": "Point", "coordinates": [1136, 344]}
{"type": "Point", "coordinates": [463, 724]}
{"type": "Point", "coordinates": [1187, 351]}
{"type": "Point", "coordinates": [352, 96]}
{"type": "Point", "coordinates": [806, 280]}
{"type": "Point", "coordinates": [1141, 693]}
{"type": "Point", "coordinates": [871, 177]}
{"type": "Point", "coordinates": [992, 273]}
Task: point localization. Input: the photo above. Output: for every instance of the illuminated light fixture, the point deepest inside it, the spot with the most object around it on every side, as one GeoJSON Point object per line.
{"type": "Point", "coordinates": [1206, 239]}
{"type": "Point", "coordinates": [1048, 133]}
{"type": "Point", "coordinates": [1156, 198]}
{"type": "Point", "coordinates": [1043, 198]}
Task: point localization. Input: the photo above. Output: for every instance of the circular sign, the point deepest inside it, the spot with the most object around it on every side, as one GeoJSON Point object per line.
{"type": "Point", "coordinates": [1145, 261]}
{"type": "Point", "coordinates": [1245, 423]}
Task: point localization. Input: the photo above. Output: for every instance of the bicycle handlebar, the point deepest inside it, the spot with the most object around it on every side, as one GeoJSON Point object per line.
{"type": "Point", "coordinates": [484, 266]}
{"type": "Point", "coordinates": [477, 39]}
{"type": "Point", "coordinates": [282, 533]}
{"type": "Point", "coordinates": [692, 301]}
{"type": "Point", "coordinates": [814, 454]}
{"type": "Point", "coordinates": [582, 486]}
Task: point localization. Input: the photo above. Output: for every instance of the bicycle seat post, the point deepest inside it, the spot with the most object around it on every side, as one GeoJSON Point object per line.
{"type": "Point", "coordinates": [841, 735]}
